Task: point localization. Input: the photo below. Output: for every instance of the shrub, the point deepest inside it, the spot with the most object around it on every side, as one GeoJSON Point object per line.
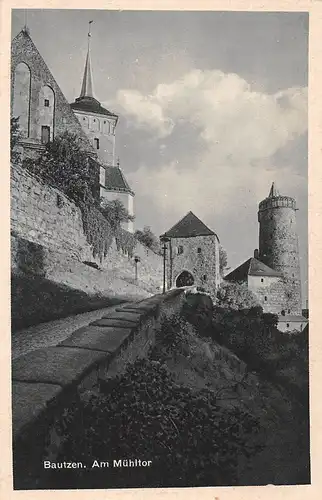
{"type": "Point", "coordinates": [148, 238]}
{"type": "Point", "coordinates": [67, 165]}
{"type": "Point", "coordinates": [236, 296]}
{"type": "Point", "coordinates": [190, 440]}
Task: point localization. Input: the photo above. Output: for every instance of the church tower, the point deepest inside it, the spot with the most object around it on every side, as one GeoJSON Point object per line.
{"type": "Point", "coordinates": [278, 244]}
{"type": "Point", "coordinates": [99, 125]}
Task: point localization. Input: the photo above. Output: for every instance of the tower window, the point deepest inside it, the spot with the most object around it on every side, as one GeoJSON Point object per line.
{"type": "Point", "coordinates": [45, 134]}
{"type": "Point", "coordinates": [96, 143]}
{"type": "Point", "coordinates": [262, 280]}
{"type": "Point", "coordinates": [180, 250]}
{"type": "Point", "coordinates": [287, 325]}
{"type": "Point", "coordinates": [199, 250]}
{"type": "Point", "coordinates": [94, 120]}
{"type": "Point", "coordinates": [265, 298]}
{"type": "Point", "coordinates": [46, 103]}
{"type": "Point", "coordinates": [84, 118]}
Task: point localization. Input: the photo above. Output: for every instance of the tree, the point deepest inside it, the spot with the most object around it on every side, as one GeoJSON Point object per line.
{"type": "Point", "coordinates": [148, 238]}
{"type": "Point", "coordinates": [236, 296]}
{"type": "Point", "coordinates": [116, 213]}
{"type": "Point", "coordinates": [222, 260]}
{"type": "Point", "coordinates": [66, 163]}
{"type": "Point", "coordinates": [15, 136]}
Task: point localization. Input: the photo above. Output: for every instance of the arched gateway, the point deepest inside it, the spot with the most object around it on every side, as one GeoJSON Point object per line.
{"type": "Point", "coordinates": [184, 279]}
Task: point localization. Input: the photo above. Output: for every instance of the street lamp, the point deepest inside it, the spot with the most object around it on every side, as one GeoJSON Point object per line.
{"type": "Point", "coordinates": [136, 260]}
{"type": "Point", "coordinates": [164, 240]}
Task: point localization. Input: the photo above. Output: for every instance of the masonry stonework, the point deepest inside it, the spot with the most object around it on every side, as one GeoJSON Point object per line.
{"type": "Point", "coordinates": [199, 257]}
{"type": "Point", "coordinates": [278, 245]}
{"type": "Point", "coordinates": [44, 215]}
{"type": "Point", "coordinates": [44, 104]}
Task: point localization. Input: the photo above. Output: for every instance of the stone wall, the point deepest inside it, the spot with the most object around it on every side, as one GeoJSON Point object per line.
{"type": "Point", "coordinates": [278, 245]}
{"type": "Point", "coordinates": [48, 381]}
{"type": "Point", "coordinates": [271, 293]}
{"type": "Point", "coordinates": [43, 215]}
{"type": "Point", "coordinates": [200, 257]}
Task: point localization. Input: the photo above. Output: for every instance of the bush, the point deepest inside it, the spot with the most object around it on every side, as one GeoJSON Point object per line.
{"type": "Point", "coordinates": [190, 440]}
{"type": "Point", "coordinates": [67, 165]}
{"type": "Point", "coordinates": [148, 238]}
{"type": "Point", "coordinates": [235, 296]}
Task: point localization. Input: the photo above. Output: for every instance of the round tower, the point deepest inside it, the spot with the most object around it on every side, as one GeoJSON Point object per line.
{"type": "Point", "coordinates": [278, 244]}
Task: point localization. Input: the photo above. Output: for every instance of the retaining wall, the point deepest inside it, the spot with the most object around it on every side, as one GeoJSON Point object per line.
{"type": "Point", "coordinates": [47, 381]}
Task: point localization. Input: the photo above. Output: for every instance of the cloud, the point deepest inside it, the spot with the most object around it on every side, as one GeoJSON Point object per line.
{"type": "Point", "coordinates": [237, 130]}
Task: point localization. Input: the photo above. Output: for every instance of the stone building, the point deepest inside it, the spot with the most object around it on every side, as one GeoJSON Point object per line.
{"type": "Point", "coordinates": [273, 275]}
{"type": "Point", "coordinates": [44, 113]}
{"type": "Point", "coordinates": [192, 255]}
{"type": "Point", "coordinates": [37, 100]}
{"type": "Point", "coordinates": [99, 126]}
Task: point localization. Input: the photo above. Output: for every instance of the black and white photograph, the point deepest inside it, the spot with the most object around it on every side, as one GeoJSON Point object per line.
{"type": "Point", "coordinates": [159, 248]}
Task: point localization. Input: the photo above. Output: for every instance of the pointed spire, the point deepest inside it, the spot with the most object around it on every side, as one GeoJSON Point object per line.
{"type": "Point", "coordinates": [273, 192]}
{"type": "Point", "coordinates": [87, 85]}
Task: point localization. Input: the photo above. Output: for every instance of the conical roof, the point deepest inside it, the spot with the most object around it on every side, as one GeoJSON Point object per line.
{"type": "Point", "coordinates": [189, 226]}
{"type": "Point", "coordinates": [273, 191]}
{"type": "Point", "coordinates": [87, 85]}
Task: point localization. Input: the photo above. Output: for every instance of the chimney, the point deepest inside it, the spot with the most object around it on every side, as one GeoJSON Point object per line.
{"type": "Point", "coordinates": [256, 253]}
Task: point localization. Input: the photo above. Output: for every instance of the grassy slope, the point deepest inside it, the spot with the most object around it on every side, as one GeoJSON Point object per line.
{"type": "Point", "coordinates": [199, 363]}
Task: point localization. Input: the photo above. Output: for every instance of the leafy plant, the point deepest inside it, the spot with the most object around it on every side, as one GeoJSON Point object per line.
{"type": "Point", "coordinates": [236, 296]}
{"type": "Point", "coordinates": [148, 238]}
{"type": "Point", "coordinates": [189, 439]}
{"type": "Point", "coordinates": [115, 213]}
{"type": "Point", "coordinates": [67, 164]}
{"type": "Point", "coordinates": [15, 137]}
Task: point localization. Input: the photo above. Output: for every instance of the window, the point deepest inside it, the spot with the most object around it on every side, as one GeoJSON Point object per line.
{"type": "Point", "coordinates": [283, 312]}
{"type": "Point", "coordinates": [180, 250]}
{"type": "Point", "coordinates": [96, 143]}
{"type": "Point", "coordinates": [262, 280]}
{"type": "Point", "coordinates": [287, 325]}
{"type": "Point", "coordinates": [265, 298]}
{"type": "Point", "coordinates": [288, 311]}
{"type": "Point", "coordinates": [46, 103]}
{"type": "Point", "coordinates": [84, 118]}
{"type": "Point", "coordinates": [94, 120]}
{"type": "Point", "coordinates": [205, 277]}
{"type": "Point", "coordinates": [199, 250]}
{"type": "Point", "coordinates": [45, 134]}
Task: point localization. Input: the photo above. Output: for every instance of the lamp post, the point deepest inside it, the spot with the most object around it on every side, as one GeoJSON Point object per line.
{"type": "Point", "coordinates": [136, 260]}
{"type": "Point", "coordinates": [164, 240]}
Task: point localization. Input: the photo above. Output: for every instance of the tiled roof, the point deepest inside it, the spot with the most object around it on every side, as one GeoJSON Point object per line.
{"type": "Point", "coordinates": [252, 267]}
{"type": "Point", "coordinates": [115, 180]}
{"type": "Point", "coordinates": [189, 226]}
{"type": "Point", "coordinates": [90, 105]}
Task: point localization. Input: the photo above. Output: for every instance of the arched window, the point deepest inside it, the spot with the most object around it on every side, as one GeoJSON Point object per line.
{"type": "Point", "coordinates": [21, 97]}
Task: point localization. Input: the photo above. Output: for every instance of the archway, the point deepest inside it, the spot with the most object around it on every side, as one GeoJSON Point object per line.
{"type": "Point", "coordinates": [184, 279]}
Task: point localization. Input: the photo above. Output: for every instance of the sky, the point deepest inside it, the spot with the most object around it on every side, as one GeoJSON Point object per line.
{"type": "Point", "coordinates": [212, 109]}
